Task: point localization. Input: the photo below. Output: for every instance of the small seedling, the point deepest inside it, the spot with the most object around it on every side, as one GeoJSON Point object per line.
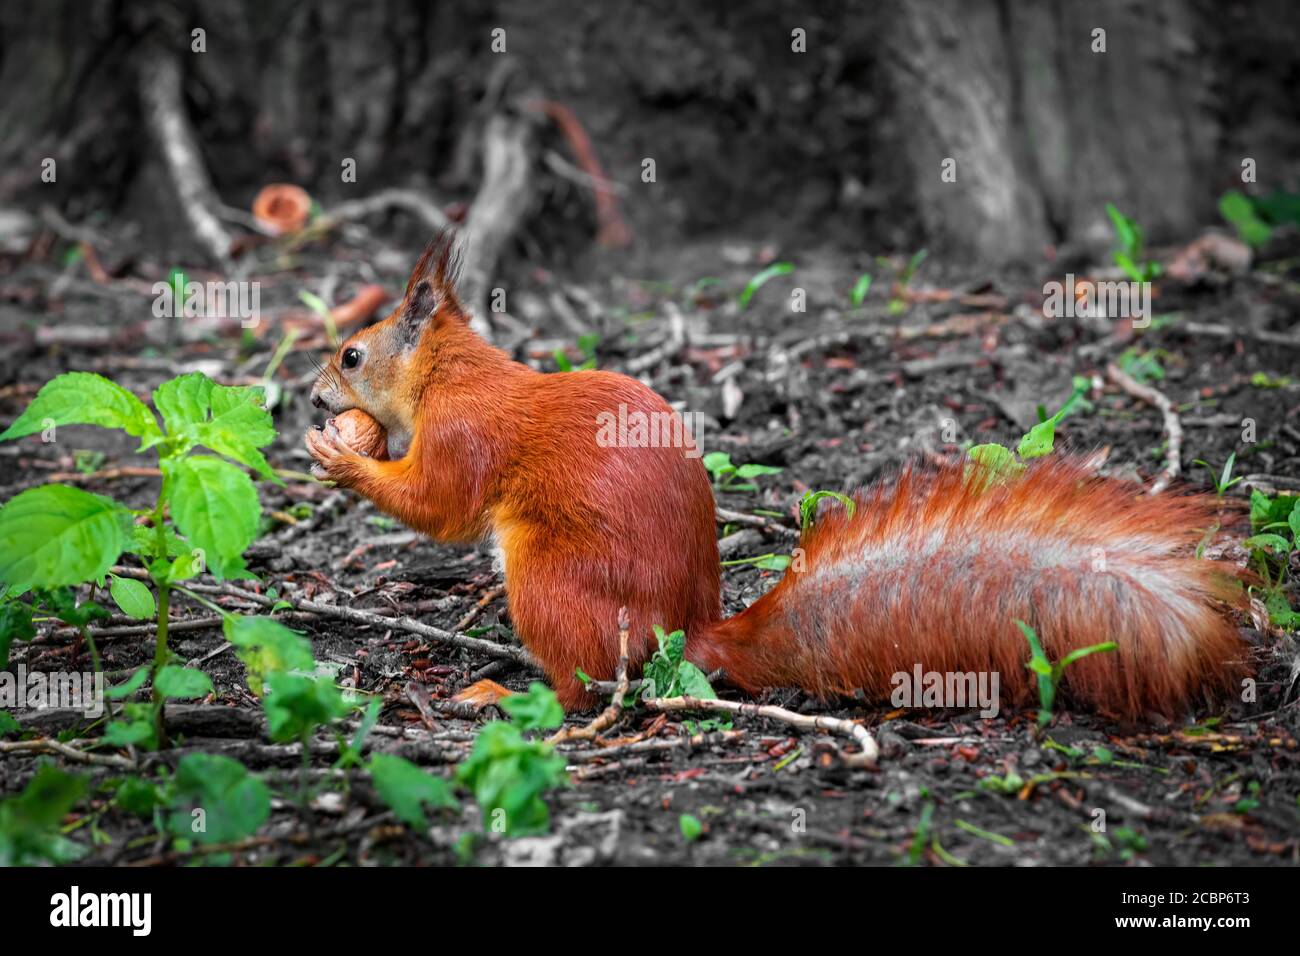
{"type": "Point", "coordinates": [508, 773]}
{"type": "Point", "coordinates": [808, 506]}
{"type": "Point", "coordinates": [1049, 674]}
{"type": "Point", "coordinates": [587, 347]}
{"type": "Point", "coordinates": [1129, 254]}
{"type": "Point", "coordinates": [860, 290]}
{"type": "Point", "coordinates": [1276, 522]}
{"type": "Point", "coordinates": [725, 474]}
{"type": "Point", "coordinates": [1001, 463]}
{"type": "Point", "coordinates": [761, 279]}
{"type": "Point", "coordinates": [1224, 481]}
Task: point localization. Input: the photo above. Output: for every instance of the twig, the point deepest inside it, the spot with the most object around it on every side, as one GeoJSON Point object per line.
{"type": "Point", "coordinates": [1173, 427]}
{"type": "Point", "coordinates": [835, 725]}
{"type": "Point", "coordinates": [408, 199]}
{"type": "Point", "coordinates": [44, 745]}
{"type": "Point", "coordinates": [490, 595]}
{"type": "Point", "coordinates": [725, 516]}
{"type": "Point", "coordinates": [488, 648]}
{"type": "Point", "coordinates": [607, 717]}
{"type": "Point", "coordinates": [694, 742]}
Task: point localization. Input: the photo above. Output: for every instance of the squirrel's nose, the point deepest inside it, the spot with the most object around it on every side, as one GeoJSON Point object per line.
{"type": "Point", "coordinates": [317, 400]}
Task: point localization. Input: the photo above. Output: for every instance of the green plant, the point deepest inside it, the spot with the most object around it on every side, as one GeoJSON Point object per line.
{"type": "Point", "coordinates": [205, 514]}
{"type": "Point", "coordinates": [1050, 674]}
{"type": "Point", "coordinates": [587, 346]}
{"type": "Point", "coordinates": [902, 279]}
{"type": "Point", "coordinates": [761, 279]}
{"type": "Point", "coordinates": [30, 822]}
{"type": "Point", "coordinates": [1143, 366]}
{"type": "Point", "coordinates": [1129, 254]}
{"type": "Point", "coordinates": [213, 799]}
{"type": "Point", "coordinates": [1001, 463]}
{"type": "Point", "coordinates": [407, 789]}
{"type": "Point", "coordinates": [808, 506]}
{"type": "Point", "coordinates": [669, 674]}
{"type": "Point", "coordinates": [768, 562]}
{"type": "Point", "coordinates": [725, 474]}
{"type": "Point", "coordinates": [690, 826]}
{"type": "Point", "coordinates": [1222, 482]}
{"type": "Point", "coordinates": [1276, 523]}
{"type": "Point", "coordinates": [1237, 209]}
{"type": "Point", "coordinates": [508, 773]}
{"type": "Point", "coordinates": [860, 289]}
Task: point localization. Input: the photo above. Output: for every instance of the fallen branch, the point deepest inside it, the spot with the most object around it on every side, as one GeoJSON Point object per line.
{"type": "Point", "coordinates": [1173, 427]}
{"type": "Point", "coordinates": [46, 746]}
{"type": "Point", "coordinates": [408, 200]}
{"type": "Point", "coordinates": [865, 758]}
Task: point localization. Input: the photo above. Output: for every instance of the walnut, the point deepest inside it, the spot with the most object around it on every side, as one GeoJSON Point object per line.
{"type": "Point", "coordinates": [362, 433]}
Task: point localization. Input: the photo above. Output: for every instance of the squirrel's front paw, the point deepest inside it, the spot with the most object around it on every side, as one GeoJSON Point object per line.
{"type": "Point", "coordinates": [333, 456]}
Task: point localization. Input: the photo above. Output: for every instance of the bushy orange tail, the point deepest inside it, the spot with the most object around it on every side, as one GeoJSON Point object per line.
{"type": "Point", "coordinates": [934, 570]}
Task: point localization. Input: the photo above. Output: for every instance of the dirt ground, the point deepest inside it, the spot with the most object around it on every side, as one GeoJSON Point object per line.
{"type": "Point", "coordinates": [1219, 786]}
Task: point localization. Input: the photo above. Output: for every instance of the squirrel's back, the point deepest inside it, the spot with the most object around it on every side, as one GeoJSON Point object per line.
{"type": "Point", "coordinates": [934, 570]}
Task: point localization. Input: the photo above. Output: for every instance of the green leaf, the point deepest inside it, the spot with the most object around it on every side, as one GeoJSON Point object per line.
{"type": "Point", "coordinates": [508, 774]}
{"type": "Point", "coordinates": [756, 283]}
{"type": "Point", "coordinates": [860, 289]}
{"type": "Point", "coordinates": [694, 683]}
{"type": "Point", "coordinates": [266, 646]}
{"type": "Point", "coordinates": [536, 710]}
{"type": "Point", "coordinates": [182, 682]}
{"type": "Point", "coordinates": [718, 463]}
{"type": "Point", "coordinates": [995, 463]}
{"type": "Point", "coordinates": [1082, 652]}
{"type": "Point", "coordinates": [1038, 441]}
{"type": "Point", "coordinates": [772, 562]}
{"type": "Point", "coordinates": [214, 504]}
{"type": "Point", "coordinates": [133, 597]}
{"type": "Point", "coordinates": [15, 625]}
{"type": "Point", "coordinates": [753, 471]}
{"type": "Point", "coordinates": [30, 822]}
{"type": "Point", "coordinates": [138, 796]}
{"type": "Point", "coordinates": [691, 827]}
{"type": "Point", "coordinates": [137, 729]}
{"type": "Point", "coordinates": [234, 803]}
{"type": "Point", "coordinates": [1275, 542]}
{"type": "Point", "coordinates": [808, 505]}
{"type": "Point", "coordinates": [83, 398]}
{"type": "Point", "coordinates": [406, 788]}
{"type": "Point", "coordinates": [1238, 210]}
{"type": "Point", "coordinates": [132, 684]}
{"type": "Point", "coordinates": [56, 535]}
{"type": "Point", "coordinates": [231, 420]}
{"type": "Point", "coordinates": [184, 401]}
{"type": "Point", "coordinates": [295, 705]}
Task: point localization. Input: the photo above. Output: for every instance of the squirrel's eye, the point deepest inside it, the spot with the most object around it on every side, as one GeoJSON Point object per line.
{"type": "Point", "coordinates": [351, 358]}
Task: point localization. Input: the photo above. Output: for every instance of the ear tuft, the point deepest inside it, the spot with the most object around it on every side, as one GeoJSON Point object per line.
{"type": "Point", "coordinates": [432, 286]}
{"type": "Point", "coordinates": [417, 309]}
{"type": "Point", "coordinates": [439, 263]}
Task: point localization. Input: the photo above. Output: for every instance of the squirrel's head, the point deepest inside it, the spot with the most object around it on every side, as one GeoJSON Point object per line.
{"type": "Point", "coordinates": [382, 369]}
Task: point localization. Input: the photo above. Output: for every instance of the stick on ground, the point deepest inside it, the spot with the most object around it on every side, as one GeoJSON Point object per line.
{"type": "Point", "coordinates": [1173, 427]}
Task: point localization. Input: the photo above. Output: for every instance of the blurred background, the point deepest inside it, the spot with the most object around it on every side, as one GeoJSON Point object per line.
{"type": "Point", "coordinates": [840, 144]}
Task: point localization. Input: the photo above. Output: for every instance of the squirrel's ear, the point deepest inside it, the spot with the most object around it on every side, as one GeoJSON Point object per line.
{"type": "Point", "coordinates": [431, 289]}
{"type": "Point", "coordinates": [417, 310]}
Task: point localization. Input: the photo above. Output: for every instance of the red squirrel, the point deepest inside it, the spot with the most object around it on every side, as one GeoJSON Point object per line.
{"type": "Point", "coordinates": [933, 568]}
